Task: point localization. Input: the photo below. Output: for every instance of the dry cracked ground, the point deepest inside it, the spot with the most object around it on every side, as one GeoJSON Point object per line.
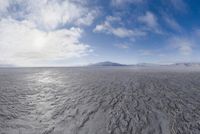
{"type": "Point", "coordinates": [99, 101]}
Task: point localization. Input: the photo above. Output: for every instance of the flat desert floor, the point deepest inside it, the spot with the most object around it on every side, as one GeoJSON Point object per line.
{"type": "Point", "coordinates": [95, 100]}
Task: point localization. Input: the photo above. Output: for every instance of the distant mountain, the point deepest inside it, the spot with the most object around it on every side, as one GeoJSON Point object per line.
{"type": "Point", "coordinates": [186, 64]}
{"type": "Point", "coordinates": [147, 65]}
{"type": "Point", "coordinates": [169, 65]}
{"type": "Point", "coordinates": [107, 63]}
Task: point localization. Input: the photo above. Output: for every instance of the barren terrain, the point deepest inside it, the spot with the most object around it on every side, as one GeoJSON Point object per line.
{"type": "Point", "coordinates": [99, 101]}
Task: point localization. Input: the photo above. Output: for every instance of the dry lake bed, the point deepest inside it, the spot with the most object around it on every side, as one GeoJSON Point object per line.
{"type": "Point", "coordinates": [99, 100]}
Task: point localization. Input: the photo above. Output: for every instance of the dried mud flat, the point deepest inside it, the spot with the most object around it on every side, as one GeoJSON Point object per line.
{"type": "Point", "coordinates": [99, 101]}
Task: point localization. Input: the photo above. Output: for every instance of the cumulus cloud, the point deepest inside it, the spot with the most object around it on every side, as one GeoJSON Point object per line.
{"type": "Point", "coordinates": [33, 32]}
{"type": "Point", "coordinates": [88, 18]}
{"type": "Point", "coordinates": [106, 27]}
{"type": "Point", "coordinates": [22, 44]}
{"type": "Point", "coordinates": [50, 14]}
{"type": "Point", "coordinates": [183, 45]}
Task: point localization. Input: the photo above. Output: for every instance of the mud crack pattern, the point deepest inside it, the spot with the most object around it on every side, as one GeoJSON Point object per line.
{"type": "Point", "coordinates": [99, 101]}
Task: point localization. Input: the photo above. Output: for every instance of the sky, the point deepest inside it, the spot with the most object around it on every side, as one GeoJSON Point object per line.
{"type": "Point", "coordinates": [80, 32]}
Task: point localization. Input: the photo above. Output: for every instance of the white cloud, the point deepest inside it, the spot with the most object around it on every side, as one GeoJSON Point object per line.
{"type": "Point", "coordinates": [88, 19]}
{"type": "Point", "coordinates": [122, 2]}
{"type": "Point", "coordinates": [179, 5]}
{"type": "Point", "coordinates": [146, 52]}
{"type": "Point", "coordinates": [3, 5]}
{"type": "Point", "coordinates": [113, 19]}
{"type": "Point", "coordinates": [155, 52]}
{"type": "Point", "coordinates": [22, 44]}
{"type": "Point", "coordinates": [151, 22]}
{"type": "Point", "coordinates": [33, 32]}
{"type": "Point", "coordinates": [149, 19]}
{"type": "Point", "coordinates": [122, 46]}
{"type": "Point", "coordinates": [106, 27]}
{"type": "Point", "coordinates": [124, 32]}
{"type": "Point", "coordinates": [197, 32]}
{"type": "Point", "coordinates": [172, 23]}
{"type": "Point", "coordinates": [50, 14]}
{"type": "Point", "coordinates": [184, 45]}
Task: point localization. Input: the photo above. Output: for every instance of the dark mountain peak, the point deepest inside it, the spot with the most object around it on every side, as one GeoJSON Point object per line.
{"type": "Point", "coordinates": [107, 63]}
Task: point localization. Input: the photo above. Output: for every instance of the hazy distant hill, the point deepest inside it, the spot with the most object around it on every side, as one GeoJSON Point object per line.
{"type": "Point", "coordinates": [147, 65]}
{"type": "Point", "coordinates": [186, 64]}
{"type": "Point", "coordinates": [107, 63]}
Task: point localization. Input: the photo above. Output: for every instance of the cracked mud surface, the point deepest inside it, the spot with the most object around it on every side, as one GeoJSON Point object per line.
{"type": "Point", "coordinates": [99, 101]}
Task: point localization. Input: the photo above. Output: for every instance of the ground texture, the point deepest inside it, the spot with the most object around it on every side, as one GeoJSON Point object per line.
{"type": "Point", "coordinates": [99, 101]}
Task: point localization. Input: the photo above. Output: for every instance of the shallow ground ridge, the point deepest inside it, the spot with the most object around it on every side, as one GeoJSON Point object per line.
{"type": "Point", "coordinates": [99, 101]}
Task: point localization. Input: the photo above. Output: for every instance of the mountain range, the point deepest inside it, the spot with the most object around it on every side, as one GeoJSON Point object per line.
{"type": "Point", "coordinates": [109, 63]}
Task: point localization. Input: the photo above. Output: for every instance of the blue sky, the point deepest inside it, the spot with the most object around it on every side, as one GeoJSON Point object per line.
{"type": "Point", "coordinates": [77, 32]}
